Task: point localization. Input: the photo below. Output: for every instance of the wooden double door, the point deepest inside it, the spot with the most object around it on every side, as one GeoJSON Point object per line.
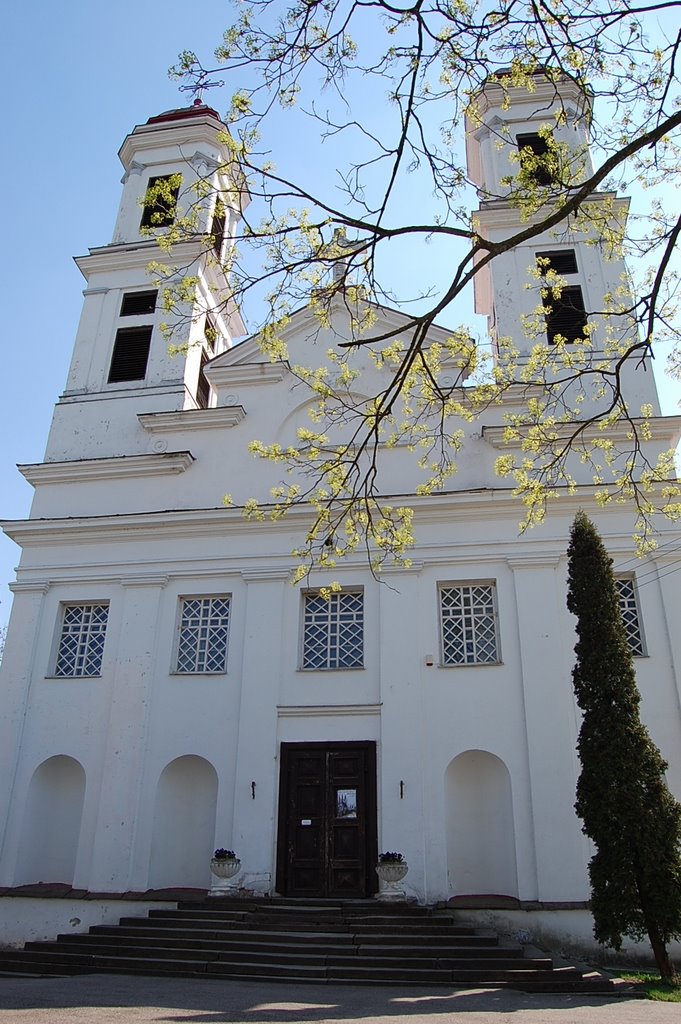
{"type": "Point", "coordinates": [327, 820]}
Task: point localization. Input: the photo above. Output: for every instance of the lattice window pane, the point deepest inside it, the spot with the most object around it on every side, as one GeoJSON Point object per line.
{"type": "Point", "coordinates": [629, 608]}
{"type": "Point", "coordinates": [333, 631]}
{"type": "Point", "coordinates": [469, 633]}
{"type": "Point", "coordinates": [204, 631]}
{"type": "Point", "coordinates": [81, 643]}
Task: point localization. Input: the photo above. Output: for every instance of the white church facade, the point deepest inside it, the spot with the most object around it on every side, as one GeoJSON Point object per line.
{"type": "Point", "coordinates": [166, 690]}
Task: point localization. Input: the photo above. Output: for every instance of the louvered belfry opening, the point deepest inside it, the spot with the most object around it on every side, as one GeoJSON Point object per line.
{"type": "Point", "coordinates": [138, 303]}
{"type": "Point", "coordinates": [565, 309]}
{"type": "Point", "coordinates": [130, 354]}
{"type": "Point", "coordinates": [562, 261]}
{"type": "Point", "coordinates": [566, 316]}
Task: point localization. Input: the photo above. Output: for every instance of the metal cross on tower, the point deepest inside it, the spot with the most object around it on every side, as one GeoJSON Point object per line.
{"type": "Point", "coordinates": [198, 86]}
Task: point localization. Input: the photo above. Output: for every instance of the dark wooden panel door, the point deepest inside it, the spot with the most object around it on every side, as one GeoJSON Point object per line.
{"type": "Point", "coordinates": [327, 820]}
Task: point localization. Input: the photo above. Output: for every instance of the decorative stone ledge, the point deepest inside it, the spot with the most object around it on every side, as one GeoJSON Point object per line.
{"type": "Point", "coordinates": [661, 428]}
{"type": "Point", "coordinates": [494, 901]}
{"type": "Point", "coordinates": [115, 468]}
{"type": "Point", "coordinates": [63, 891]}
{"type": "Point", "coordinates": [219, 418]}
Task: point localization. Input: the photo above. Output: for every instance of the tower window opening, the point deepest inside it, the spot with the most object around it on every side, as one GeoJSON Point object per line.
{"type": "Point", "coordinates": [561, 261]}
{"type": "Point", "coordinates": [217, 227]}
{"type": "Point", "coordinates": [203, 387]}
{"type": "Point", "coordinates": [210, 332]}
{"type": "Point", "coordinates": [533, 149]}
{"type": "Point", "coordinates": [138, 303]}
{"type": "Point", "coordinates": [566, 316]}
{"type": "Point", "coordinates": [130, 354]}
{"type": "Point", "coordinates": [160, 202]}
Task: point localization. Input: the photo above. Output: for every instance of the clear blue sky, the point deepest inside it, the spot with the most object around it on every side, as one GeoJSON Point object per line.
{"type": "Point", "coordinates": [91, 72]}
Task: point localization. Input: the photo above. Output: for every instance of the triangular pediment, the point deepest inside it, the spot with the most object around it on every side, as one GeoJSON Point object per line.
{"type": "Point", "coordinates": [308, 337]}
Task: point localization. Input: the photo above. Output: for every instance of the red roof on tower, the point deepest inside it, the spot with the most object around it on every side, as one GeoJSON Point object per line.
{"type": "Point", "coordinates": [197, 109]}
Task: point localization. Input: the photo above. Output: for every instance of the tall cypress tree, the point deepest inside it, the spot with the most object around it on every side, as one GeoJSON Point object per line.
{"type": "Point", "coordinates": [622, 797]}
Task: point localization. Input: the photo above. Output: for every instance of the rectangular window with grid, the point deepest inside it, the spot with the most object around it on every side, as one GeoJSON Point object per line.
{"type": "Point", "coordinates": [333, 630]}
{"type": "Point", "coordinates": [81, 641]}
{"type": "Point", "coordinates": [469, 624]}
{"type": "Point", "coordinates": [204, 632]}
{"type": "Point", "coordinates": [626, 588]}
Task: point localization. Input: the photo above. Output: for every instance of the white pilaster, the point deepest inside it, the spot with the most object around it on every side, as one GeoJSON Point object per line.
{"type": "Point", "coordinates": [123, 756]}
{"type": "Point", "coordinates": [551, 724]}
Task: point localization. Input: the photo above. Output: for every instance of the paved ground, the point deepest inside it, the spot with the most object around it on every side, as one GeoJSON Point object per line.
{"type": "Point", "coordinates": [100, 999]}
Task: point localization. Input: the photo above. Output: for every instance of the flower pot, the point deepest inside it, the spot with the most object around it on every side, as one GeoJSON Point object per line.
{"type": "Point", "coordinates": [224, 868]}
{"type": "Point", "coordinates": [390, 873]}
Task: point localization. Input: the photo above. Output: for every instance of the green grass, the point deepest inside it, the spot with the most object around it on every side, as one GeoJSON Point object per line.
{"type": "Point", "coordinates": [653, 987]}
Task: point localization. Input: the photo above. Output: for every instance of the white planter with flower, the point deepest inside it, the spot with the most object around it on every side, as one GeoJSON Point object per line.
{"type": "Point", "coordinates": [391, 869]}
{"type": "Point", "coordinates": [224, 866]}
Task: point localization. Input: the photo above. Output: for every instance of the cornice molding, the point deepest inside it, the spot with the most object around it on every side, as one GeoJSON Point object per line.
{"type": "Point", "coordinates": [545, 95]}
{"type": "Point", "coordinates": [178, 135]}
{"type": "Point", "coordinates": [239, 374]}
{"type": "Point", "coordinates": [326, 710]}
{"type": "Point", "coordinates": [158, 580]}
{"type": "Point", "coordinates": [449, 507]}
{"type": "Point", "coordinates": [175, 388]}
{"type": "Point", "coordinates": [125, 467]}
{"type": "Point", "coordinates": [129, 255]}
{"type": "Point", "coordinates": [535, 560]}
{"type": "Point", "coordinates": [220, 418]}
{"type": "Point", "coordinates": [401, 570]}
{"type": "Point", "coordinates": [661, 428]}
{"type": "Point", "coordinates": [265, 575]}
{"type": "Point", "coordinates": [30, 587]}
{"type": "Point", "coordinates": [499, 213]}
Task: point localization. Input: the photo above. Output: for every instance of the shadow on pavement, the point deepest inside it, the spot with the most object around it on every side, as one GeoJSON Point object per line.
{"type": "Point", "coordinates": [207, 1001]}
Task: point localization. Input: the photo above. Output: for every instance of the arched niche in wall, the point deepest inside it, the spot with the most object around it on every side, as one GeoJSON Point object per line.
{"type": "Point", "coordinates": [184, 824]}
{"type": "Point", "coordinates": [51, 827]}
{"type": "Point", "coordinates": [481, 855]}
{"type": "Point", "coordinates": [303, 416]}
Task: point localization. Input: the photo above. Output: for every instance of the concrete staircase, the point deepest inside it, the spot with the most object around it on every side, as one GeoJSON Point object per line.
{"type": "Point", "coordinates": [361, 942]}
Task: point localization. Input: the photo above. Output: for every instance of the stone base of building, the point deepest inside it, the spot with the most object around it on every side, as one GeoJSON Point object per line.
{"type": "Point", "coordinates": [41, 912]}
{"type": "Point", "coordinates": [564, 929]}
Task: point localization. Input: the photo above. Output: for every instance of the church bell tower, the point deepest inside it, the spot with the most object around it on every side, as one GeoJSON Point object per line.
{"type": "Point", "coordinates": [534, 141]}
{"type": "Point", "coordinates": [131, 356]}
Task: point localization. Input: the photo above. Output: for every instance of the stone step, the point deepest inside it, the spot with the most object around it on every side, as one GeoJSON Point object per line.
{"type": "Point", "coordinates": [262, 940]}
{"type": "Point", "coordinates": [142, 926]}
{"type": "Point", "coordinates": [110, 935]}
{"type": "Point", "coordinates": [182, 966]}
{"type": "Point", "coordinates": [226, 908]}
{"type": "Point", "coordinates": [343, 907]}
{"type": "Point", "coordinates": [212, 910]}
{"type": "Point", "coordinates": [306, 957]}
{"type": "Point", "coordinates": [171, 920]}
